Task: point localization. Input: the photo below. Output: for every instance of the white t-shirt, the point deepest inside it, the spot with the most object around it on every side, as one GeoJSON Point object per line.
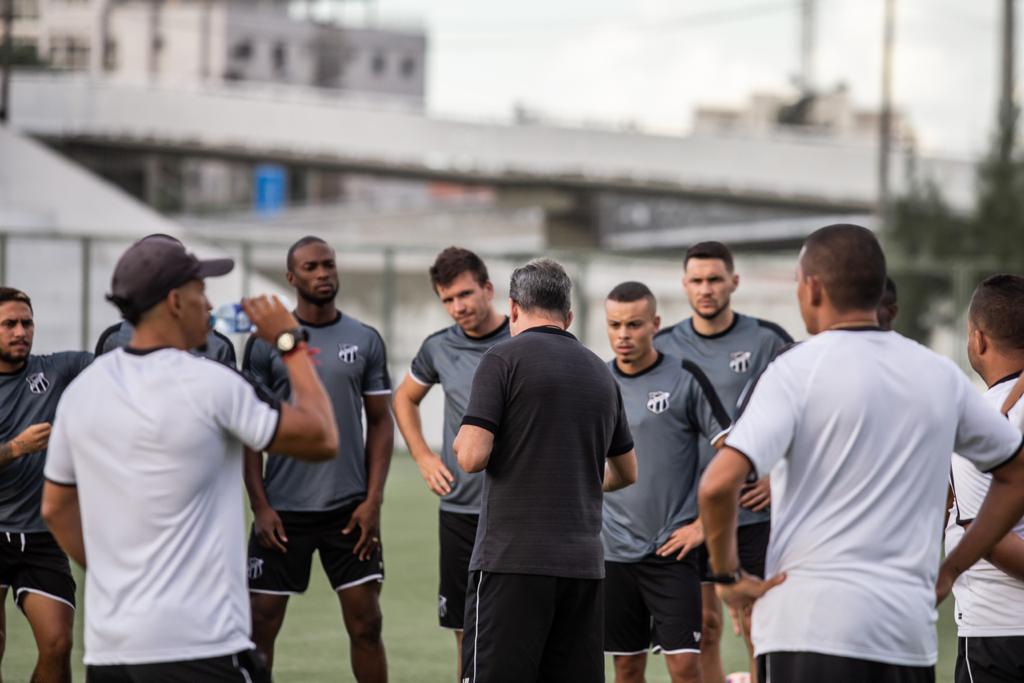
{"type": "Point", "coordinates": [989, 602]}
{"type": "Point", "coordinates": [856, 427]}
{"type": "Point", "coordinates": [154, 444]}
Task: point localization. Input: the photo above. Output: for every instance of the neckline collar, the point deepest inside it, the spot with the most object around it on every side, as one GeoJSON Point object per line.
{"type": "Point", "coordinates": [305, 323]}
{"type": "Point", "coordinates": [144, 352]}
{"type": "Point", "coordinates": [857, 328]}
{"type": "Point", "coordinates": [493, 333]}
{"type": "Point", "coordinates": [547, 329]}
{"type": "Point", "coordinates": [1009, 378]}
{"type": "Point", "coordinates": [649, 368]}
{"type": "Point", "coordinates": [716, 335]}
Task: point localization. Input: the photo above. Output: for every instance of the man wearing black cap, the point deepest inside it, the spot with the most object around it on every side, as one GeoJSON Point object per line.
{"type": "Point", "coordinates": [156, 467]}
{"type": "Point", "coordinates": [216, 347]}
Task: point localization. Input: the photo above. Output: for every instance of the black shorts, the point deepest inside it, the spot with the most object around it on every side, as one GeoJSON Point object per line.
{"type": "Point", "coordinates": [288, 573]}
{"type": "Point", "coordinates": [458, 533]}
{"type": "Point", "coordinates": [34, 563]}
{"type": "Point", "coordinates": [522, 627]}
{"type": "Point", "coordinates": [752, 544]}
{"type": "Point", "coordinates": [812, 667]}
{"type": "Point", "coordinates": [244, 667]}
{"type": "Point", "coordinates": [996, 659]}
{"type": "Point", "coordinates": [654, 602]}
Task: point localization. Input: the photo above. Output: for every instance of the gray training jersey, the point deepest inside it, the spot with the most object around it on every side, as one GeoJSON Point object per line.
{"type": "Point", "coordinates": [732, 360]}
{"type": "Point", "coordinates": [672, 410]}
{"type": "Point", "coordinates": [217, 346]}
{"type": "Point", "coordinates": [29, 397]}
{"type": "Point", "coordinates": [450, 358]}
{"type": "Point", "coordinates": [352, 363]}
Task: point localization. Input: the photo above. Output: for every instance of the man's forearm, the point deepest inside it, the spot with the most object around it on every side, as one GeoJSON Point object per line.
{"type": "Point", "coordinates": [8, 453]}
{"type": "Point", "coordinates": [410, 424]}
{"type": "Point", "coordinates": [380, 443]}
{"type": "Point", "coordinates": [307, 391]}
{"type": "Point", "coordinates": [1008, 555]}
{"type": "Point", "coordinates": [61, 512]}
{"type": "Point", "coordinates": [253, 476]}
{"type": "Point", "coordinates": [718, 514]}
{"type": "Point", "coordinates": [1002, 508]}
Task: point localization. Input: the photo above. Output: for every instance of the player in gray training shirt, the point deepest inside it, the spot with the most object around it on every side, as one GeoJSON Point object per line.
{"type": "Point", "coordinates": [217, 346]}
{"type": "Point", "coordinates": [733, 350]}
{"type": "Point", "coordinates": [652, 580]}
{"type": "Point", "coordinates": [450, 358]}
{"type": "Point", "coordinates": [300, 508]}
{"type": "Point", "coordinates": [31, 563]}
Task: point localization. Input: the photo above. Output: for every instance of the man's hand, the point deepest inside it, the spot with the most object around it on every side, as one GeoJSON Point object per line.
{"type": "Point", "coordinates": [269, 529]}
{"type": "Point", "coordinates": [741, 596]}
{"type": "Point", "coordinates": [684, 539]}
{"type": "Point", "coordinates": [32, 440]}
{"type": "Point", "coordinates": [269, 316]}
{"type": "Point", "coordinates": [943, 584]}
{"type": "Point", "coordinates": [438, 478]}
{"type": "Point", "coordinates": [367, 517]}
{"type": "Point", "coordinates": [757, 496]}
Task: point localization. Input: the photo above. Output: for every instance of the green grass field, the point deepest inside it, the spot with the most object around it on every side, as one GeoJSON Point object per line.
{"type": "Point", "coordinates": [313, 647]}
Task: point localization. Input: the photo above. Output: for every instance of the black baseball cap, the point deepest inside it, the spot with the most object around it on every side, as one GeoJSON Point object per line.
{"type": "Point", "coordinates": [147, 272]}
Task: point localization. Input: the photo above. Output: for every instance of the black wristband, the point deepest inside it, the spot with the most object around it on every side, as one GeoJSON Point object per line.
{"type": "Point", "coordinates": [724, 579]}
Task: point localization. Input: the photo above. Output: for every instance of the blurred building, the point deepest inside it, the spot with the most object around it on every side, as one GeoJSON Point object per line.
{"type": "Point", "coordinates": [210, 42]}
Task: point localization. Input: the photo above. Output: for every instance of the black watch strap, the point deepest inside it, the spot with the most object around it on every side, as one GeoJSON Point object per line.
{"type": "Point", "coordinates": [724, 579]}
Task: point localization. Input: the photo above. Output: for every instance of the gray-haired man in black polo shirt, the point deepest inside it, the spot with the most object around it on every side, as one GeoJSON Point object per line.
{"type": "Point", "coordinates": [546, 423]}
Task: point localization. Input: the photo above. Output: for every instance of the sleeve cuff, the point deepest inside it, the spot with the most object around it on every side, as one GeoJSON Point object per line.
{"type": "Point", "coordinates": [421, 382]}
{"type": "Point", "coordinates": [69, 484]}
{"type": "Point", "coordinates": [481, 423]}
{"type": "Point", "coordinates": [273, 434]}
{"type": "Point", "coordinates": [377, 392]}
{"type": "Point", "coordinates": [1007, 460]}
{"type": "Point", "coordinates": [622, 450]}
{"type": "Point", "coordinates": [754, 474]}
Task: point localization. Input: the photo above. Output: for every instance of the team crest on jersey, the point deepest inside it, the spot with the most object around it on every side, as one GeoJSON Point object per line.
{"type": "Point", "coordinates": [255, 567]}
{"type": "Point", "coordinates": [347, 353]}
{"type": "Point", "coordinates": [739, 361]}
{"type": "Point", "coordinates": [442, 606]}
{"type": "Point", "coordinates": [37, 383]}
{"type": "Point", "coordinates": [657, 401]}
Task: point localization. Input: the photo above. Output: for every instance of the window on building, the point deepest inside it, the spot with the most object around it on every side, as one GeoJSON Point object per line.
{"type": "Point", "coordinates": [242, 51]}
{"type": "Point", "coordinates": [279, 56]}
{"type": "Point", "coordinates": [26, 9]}
{"type": "Point", "coordinates": [408, 67]}
{"type": "Point", "coordinates": [110, 55]}
{"type": "Point", "coordinates": [379, 64]}
{"type": "Point", "coordinates": [69, 52]}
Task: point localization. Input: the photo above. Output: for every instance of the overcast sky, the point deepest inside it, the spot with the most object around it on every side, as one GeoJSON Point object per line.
{"type": "Point", "coordinates": [654, 61]}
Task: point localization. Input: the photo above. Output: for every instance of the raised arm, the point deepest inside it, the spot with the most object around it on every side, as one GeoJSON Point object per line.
{"type": "Point", "coordinates": [307, 429]}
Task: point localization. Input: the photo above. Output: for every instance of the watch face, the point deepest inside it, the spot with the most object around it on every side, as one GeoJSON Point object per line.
{"type": "Point", "coordinates": [286, 342]}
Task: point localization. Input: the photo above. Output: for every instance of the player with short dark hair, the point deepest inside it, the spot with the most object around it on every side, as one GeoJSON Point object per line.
{"type": "Point", "coordinates": [856, 425]}
{"type": "Point", "coordinates": [990, 595]}
{"type": "Point", "coordinates": [31, 563]}
{"type": "Point", "coordinates": [142, 476]}
{"type": "Point", "coordinates": [216, 347]}
{"type": "Point", "coordinates": [732, 349]}
{"type": "Point", "coordinates": [449, 358]}
{"type": "Point", "coordinates": [332, 508]}
{"type": "Point", "coordinates": [546, 424]}
{"type": "Point", "coordinates": [652, 581]}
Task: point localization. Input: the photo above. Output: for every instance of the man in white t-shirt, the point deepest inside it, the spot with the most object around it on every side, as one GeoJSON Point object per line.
{"type": "Point", "coordinates": [144, 476]}
{"type": "Point", "coordinates": [990, 595]}
{"type": "Point", "coordinates": [855, 426]}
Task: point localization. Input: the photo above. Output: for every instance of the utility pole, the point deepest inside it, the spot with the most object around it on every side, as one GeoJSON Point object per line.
{"type": "Point", "coordinates": [5, 61]}
{"type": "Point", "coordinates": [885, 113]}
{"type": "Point", "coordinates": [1007, 101]}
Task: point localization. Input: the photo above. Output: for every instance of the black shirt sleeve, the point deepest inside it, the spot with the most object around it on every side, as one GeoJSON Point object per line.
{"type": "Point", "coordinates": [487, 398]}
{"type": "Point", "coordinates": [622, 438]}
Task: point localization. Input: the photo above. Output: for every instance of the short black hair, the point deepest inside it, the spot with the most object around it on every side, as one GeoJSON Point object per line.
{"type": "Point", "coordinates": [997, 308]}
{"type": "Point", "coordinates": [628, 292]}
{"type": "Point", "coordinates": [710, 250]}
{"type": "Point", "coordinates": [308, 239]}
{"type": "Point", "coordinates": [11, 294]}
{"type": "Point", "coordinates": [453, 262]}
{"type": "Point", "coordinates": [850, 263]}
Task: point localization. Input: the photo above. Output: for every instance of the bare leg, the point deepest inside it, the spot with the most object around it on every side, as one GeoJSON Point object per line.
{"type": "Point", "coordinates": [711, 635]}
{"type": "Point", "coordinates": [52, 622]}
{"type": "Point", "coordinates": [750, 643]}
{"type": "Point", "coordinates": [630, 668]}
{"type": "Point", "coordinates": [684, 667]}
{"type": "Point", "coordinates": [360, 608]}
{"type": "Point", "coordinates": [267, 617]}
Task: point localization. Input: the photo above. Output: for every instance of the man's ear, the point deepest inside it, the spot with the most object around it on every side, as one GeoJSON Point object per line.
{"type": "Point", "coordinates": [173, 302]}
{"type": "Point", "coordinates": [290, 277]}
{"type": "Point", "coordinates": [816, 289]}
{"type": "Point", "coordinates": [981, 341]}
{"type": "Point", "coordinates": [513, 311]}
{"type": "Point", "coordinates": [568, 320]}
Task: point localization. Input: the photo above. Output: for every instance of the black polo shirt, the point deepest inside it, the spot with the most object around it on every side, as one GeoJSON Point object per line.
{"type": "Point", "coordinates": [556, 414]}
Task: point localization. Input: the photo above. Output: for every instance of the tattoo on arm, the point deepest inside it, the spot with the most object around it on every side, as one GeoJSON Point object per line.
{"type": "Point", "coordinates": [6, 452]}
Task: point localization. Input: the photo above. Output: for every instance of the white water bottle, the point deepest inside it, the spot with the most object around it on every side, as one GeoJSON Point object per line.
{"type": "Point", "coordinates": [231, 319]}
